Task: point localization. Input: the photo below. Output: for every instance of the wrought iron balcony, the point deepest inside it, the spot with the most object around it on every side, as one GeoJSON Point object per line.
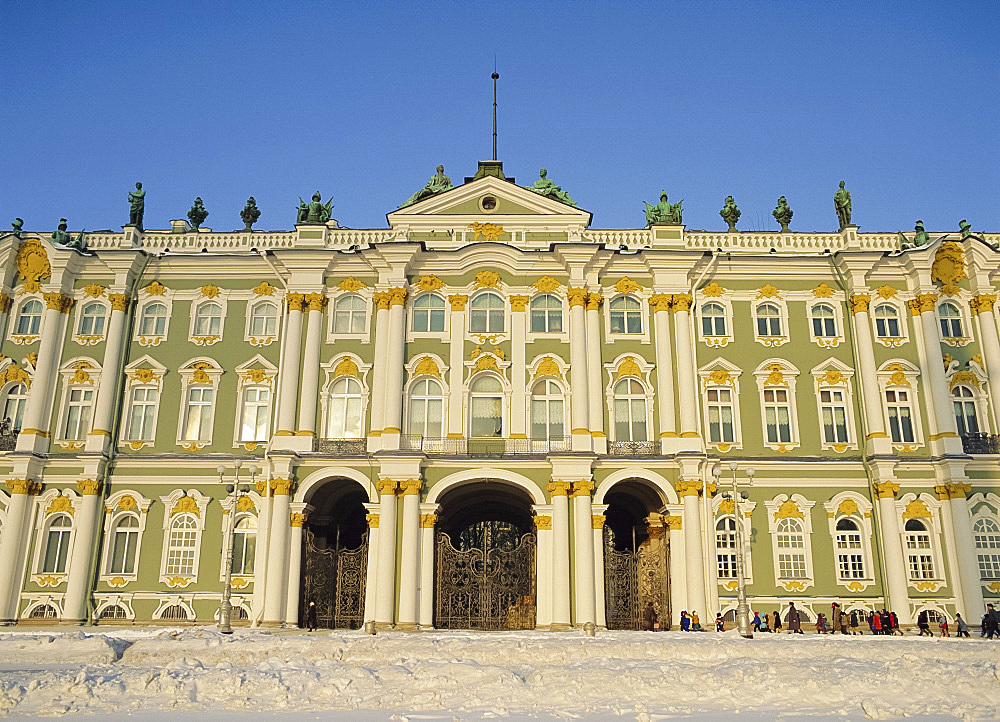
{"type": "Point", "coordinates": [633, 448]}
{"type": "Point", "coordinates": [488, 447]}
{"type": "Point", "coordinates": [342, 447]}
{"type": "Point", "coordinates": [981, 443]}
{"type": "Point", "coordinates": [8, 442]}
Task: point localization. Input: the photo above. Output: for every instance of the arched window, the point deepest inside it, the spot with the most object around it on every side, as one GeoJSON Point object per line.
{"type": "Point", "coordinates": [965, 410]}
{"type": "Point", "coordinates": [768, 320]}
{"type": "Point", "coordinates": [113, 611]}
{"type": "Point", "coordinates": [791, 543]}
{"type": "Point", "coordinates": [255, 412]}
{"type": "Point", "coordinates": [124, 545]}
{"type": "Point", "coordinates": [198, 414]}
{"type": "Point", "coordinates": [850, 553]}
{"type": "Point", "coordinates": [154, 320]}
{"type": "Point", "coordinates": [713, 320]}
{"type": "Point", "coordinates": [92, 319]}
{"type": "Point", "coordinates": [886, 321]}
{"type": "Point", "coordinates": [244, 544]}
{"type": "Point", "coordinates": [626, 315]}
{"type": "Point", "coordinates": [174, 611]}
{"type": "Point", "coordinates": [486, 419]}
{"type": "Point", "coordinates": [29, 320]}
{"type": "Point", "coordinates": [79, 404]}
{"type": "Point", "coordinates": [13, 408]}
{"type": "Point", "coordinates": [630, 411]}
{"type": "Point", "coordinates": [486, 314]}
{"type": "Point", "coordinates": [182, 545]}
{"type": "Point", "coordinates": [426, 409]}
{"type": "Point", "coordinates": [345, 409]}
{"type": "Point", "coordinates": [142, 413]}
{"type": "Point", "coordinates": [349, 314]}
{"type": "Point", "coordinates": [43, 611]}
{"type": "Point", "coordinates": [546, 314]}
{"type": "Point", "coordinates": [208, 320]}
{"type": "Point", "coordinates": [987, 534]}
{"type": "Point", "coordinates": [547, 416]}
{"type": "Point", "coordinates": [951, 320]}
{"type": "Point", "coordinates": [824, 321]}
{"type": "Point", "coordinates": [264, 319]}
{"type": "Point", "coordinates": [725, 547]}
{"type": "Point", "coordinates": [919, 556]}
{"type": "Point", "coordinates": [57, 545]}
{"type": "Point", "coordinates": [428, 313]}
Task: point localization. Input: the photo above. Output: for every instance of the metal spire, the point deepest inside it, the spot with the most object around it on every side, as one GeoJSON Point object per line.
{"type": "Point", "coordinates": [495, 77]}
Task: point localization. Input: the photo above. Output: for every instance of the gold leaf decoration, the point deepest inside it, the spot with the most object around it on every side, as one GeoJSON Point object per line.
{"type": "Point", "coordinates": [200, 375]}
{"type": "Point", "coordinates": [948, 267]}
{"type": "Point", "coordinates": [768, 291]}
{"type": "Point", "coordinates": [255, 375]}
{"type": "Point", "coordinates": [94, 290]}
{"type": "Point", "coordinates": [245, 503]}
{"type": "Point", "coordinates": [916, 509]}
{"type": "Point", "coordinates": [155, 289]}
{"type": "Point", "coordinates": [726, 506]}
{"type": "Point", "coordinates": [898, 376]}
{"type": "Point", "coordinates": [32, 263]}
{"type": "Point", "coordinates": [488, 231]}
{"type": "Point", "coordinates": [788, 510]}
{"type": "Point", "coordinates": [264, 289]}
{"type": "Point", "coordinates": [485, 362]}
{"type": "Point", "coordinates": [886, 291]}
{"type": "Point", "coordinates": [143, 376]}
{"type": "Point", "coordinates": [346, 367]}
{"type": "Point", "coordinates": [60, 504]}
{"type": "Point", "coordinates": [210, 291]}
{"type": "Point", "coordinates": [127, 503]}
{"type": "Point", "coordinates": [823, 290]}
{"type": "Point", "coordinates": [777, 376]}
{"type": "Point", "coordinates": [548, 367]}
{"type": "Point", "coordinates": [720, 377]}
{"type": "Point", "coordinates": [546, 284]}
{"type": "Point", "coordinates": [713, 290]}
{"type": "Point", "coordinates": [848, 507]}
{"type": "Point", "coordinates": [963, 377]}
{"type": "Point", "coordinates": [351, 284]}
{"type": "Point", "coordinates": [427, 366]}
{"type": "Point", "coordinates": [429, 283]}
{"type": "Point", "coordinates": [81, 376]}
{"type": "Point", "coordinates": [487, 279]}
{"type": "Point", "coordinates": [628, 367]}
{"type": "Point", "coordinates": [186, 505]}
{"type": "Point", "coordinates": [627, 285]}
{"type": "Point", "coordinates": [833, 376]}
{"type": "Point", "coordinates": [16, 374]}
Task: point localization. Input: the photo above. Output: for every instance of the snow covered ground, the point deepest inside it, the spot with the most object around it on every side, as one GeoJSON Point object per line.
{"type": "Point", "coordinates": [152, 674]}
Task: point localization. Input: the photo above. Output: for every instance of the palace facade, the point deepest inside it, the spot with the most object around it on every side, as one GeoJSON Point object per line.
{"type": "Point", "coordinates": [490, 415]}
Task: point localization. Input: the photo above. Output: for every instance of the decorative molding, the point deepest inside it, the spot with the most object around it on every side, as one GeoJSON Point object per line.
{"type": "Point", "coordinates": [264, 289]}
{"type": "Point", "coordinates": [427, 366]}
{"type": "Point", "coordinates": [916, 509]}
{"type": "Point", "coordinates": [210, 290]}
{"type": "Point", "coordinates": [886, 292]}
{"type": "Point", "coordinates": [546, 284]}
{"type": "Point", "coordinates": [428, 521]}
{"type": "Point", "coordinates": [823, 290]}
{"type": "Point", "coordinates": [518, 302]}
{"type": "Point", "coordinates": [155, 289]}
{"type": "Point", "coordinates": [628, 367]}
{"type": "Point", "coordinates": [768, 291]}
{"type": "Point", "coordinates": [713, 290]}
{"type": "Point", "coordinates": [32, 263]}
{"type": "Point", "coordinates": [94, 290]}
{"type": "Point", "coordinates": [859, 302]}
{"type": "Point", "coordinates": [548, 367]}
{"type": "Point", "coordinates": [346, 367]}
{"type": "Point", "coordinates": [948, 267]}
{"type": "Point", "coordinates": [458, 301]}
{"type": "Point", "coordinates": [788, 510]}
{"type": "Point", "coordinates": [681, 302]}
{"type": "Point", "coordinates": [351, 284]}
{"type": "Point", "coordinates": [488, 231]}
{"type": "Point", "coordinates": [627, 285]}
{"type": "Point", "coordinates": [487, 279]}
{"type": "Point", "coordinates": [576, 296]}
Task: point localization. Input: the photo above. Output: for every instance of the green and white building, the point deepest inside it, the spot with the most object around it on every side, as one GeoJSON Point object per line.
{"type": "Point", "coordinates": [491, 415]}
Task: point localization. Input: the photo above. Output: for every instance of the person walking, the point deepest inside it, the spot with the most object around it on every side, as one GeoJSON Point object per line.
{"type": "Point", "coordinates": [876, 623]}
{"type": "Point", "coordinates": [943, 626]}
{"type": "Point", "coordinates": [894, 624]}
{"type": "Point", "coordinates": [835, 618]}
{"type": "Point", "coordinates": [962, 626]}
{"type": "Point", "coordinates": [311, 616]}
{"type": "Point", "coordinates": [764, 622]}
{"type": "Point", "coordinates": [685, 622]}
{"type": "Point", "coordinates": [794, 621]}
{"type": "Point", "coordinates": [820, 625]}
{"type": "Point", "coordinates": [776, 626]}
{"type": "Point", "coordinates": [992, 622]}
{"type": "Point", "coordinates": [756, 621]}
{"type": "Point", "coordinates": [854, 622]}
{"type": "Point", "coordinates": [720, 623]}
{"type": "Point", "coordinates": [923, 624]}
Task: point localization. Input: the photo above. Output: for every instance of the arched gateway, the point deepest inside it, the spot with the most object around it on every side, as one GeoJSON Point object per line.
{"type": "Point", "coordinates": [485, 558]}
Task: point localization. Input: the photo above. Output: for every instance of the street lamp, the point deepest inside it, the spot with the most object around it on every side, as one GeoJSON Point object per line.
{"type": "Point", "coordinates": [742, 607]}
{"type": "Point", "coordinates": [225, 608]}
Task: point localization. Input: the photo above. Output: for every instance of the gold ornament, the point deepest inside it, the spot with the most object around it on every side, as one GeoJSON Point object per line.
{"type": "Point", "coordinates": [948, 267]}
{"type": "Point", "coordinates": [186, 505]}
{"type": "Point", "coordinates": [264, 289]}
{"type": "Point", "coordinates": [859, 302]}
{"type": "Point", "coordinates": [351, 284]}
{"type": "Point", "coordinates": [713, 290]}
{"type": "Point", "coordinates": [210, 291]}
{"type": "Point", "coordinates": [628, 367]}
{"type": "Point", "coordinates": [427, 366]}
{"type": "Point", "coordinates": [546, 284]}
{"type": "Point", "coordinates": [627, 285]}
{"type": "Point", "coordinates": [517, 303]}
{"type": "Point", "coordinates": [823, 290]}
{"type": "Point", "coordinates": [487, 279]}
{"type": "Point", "coordinates": [788, 510]}
{"type": "Point", "coordinates": [548, 367]}
{"type": "Point", "coordinates": [489, 231]}
{"type": "Point", "coordinates": [155, 289]}
{"type": "Point", "coordinates": [346, 367]}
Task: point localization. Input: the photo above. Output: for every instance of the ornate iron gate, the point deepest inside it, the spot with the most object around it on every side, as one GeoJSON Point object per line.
{"type": "Point", "coordinates": [335, 580]}
{"type": "Point", "coordinates": [632, 579]}
{"type": "Point", "coordinates": [486, 587]}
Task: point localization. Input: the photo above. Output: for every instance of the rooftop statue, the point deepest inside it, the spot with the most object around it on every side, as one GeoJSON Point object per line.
{"type": "Point", "coordinates": [920, 237]}
{"type": "Point", "coordinates": [842, 204]}
{"type": "Point", "coordinates": [250, 214]}
{"type": "Point", "coordinates": [965, 228]}
{"type": "Point", "coordinates": [730, 213]}
{"type": "Point", "coordinates": [783, 214]}
{"type": "Point", "coordinates": [439, 183]}
{"type": "Point", "coordinates": [314, 212]}
{"type": "Point", "coordinates": [63, 238]}
{"type": "Point", "coordinates": [137, 206]}
{"type": "Point", "coordinates": [545, 187]}
{"type": "Point", "coordinates": [663, 213]}
{"type": "Point", "coordinates": [17, 225]}
{"type": "Point", "coordinates": [197, 214]}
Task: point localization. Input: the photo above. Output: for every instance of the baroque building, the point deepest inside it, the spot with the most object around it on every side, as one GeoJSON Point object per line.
{"type": "Point", "coordinates": [491, 415]}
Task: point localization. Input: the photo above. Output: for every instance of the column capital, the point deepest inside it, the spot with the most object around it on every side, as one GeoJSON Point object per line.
{"type": "Point", "coordinates": [282, 487]}
{"type": "Point", "coordinates": [58, 301]}
{"type": "Point", "coordinates": [594, 301]}
{"type": "Point", "coordinates": [673, 522]}
{"type": "Point", "coordinates": [458, 301]}
{"type": "Point", "coordinates": [923, 303]}
{"type": "Point", "coordinates": [410, 487]}
{"type": "Point", "coordinates": [88, 487]}
{"type": "Point", "coordinates": [660, 302]}
{"type": "Point", "coordinates": [381, 299]}
{"type": "Point", "coordinates": [372, 520]}
{"type": "Point", "coordinates": [428, 521]}
{"type": "Point", "coordinates": [543, 522]}
{"type": "Point", "coordinates": [692, 487]}
{"type": "Point", "coordinates": [315, 301]}
{"type": "Point", "coordinates": [886, 489]}
{"type": "Point", "coordinates": [397, 296]}
{"type": "Point", "coordinates": [559, 488]}
{"type": "Point", "coordinates": [983, 303]}
{"type": "Point", "coordinates": [859, 302]}
{"type": "Point", "coordinates": [681, 302]}
{"type": "Point", "coordinates": [24, 486]}
{"type": "Point", "coordinates": [295, 301]}
{"type": "Point", "coordinates": [576, 296]}
{"type": "Point", "coordinates": [296, 519]}
{"type": "Point", "coordinates": [953, 490]}
{"type": "Point", "coordinates": [386, 487]}
{"type": "Point", "coordinates": [583, 487]}
{"type": "Point", "coordinates": [119, 301]}
{"type": "Point", "coordinates": [517, 303]}
{"type": "Point", "coordinates": [597, 520]}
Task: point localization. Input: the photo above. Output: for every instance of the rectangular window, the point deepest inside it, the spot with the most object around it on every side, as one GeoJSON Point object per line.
{"type": "Point", "coordinates": [791, 566]}
{"type": "Point", "coordinates": [123, 552]}
{"type": "Point", "coordinates": [256, 404]}
{"type": "Point", "coordinates": [720, 416]}
{"type": "Point", "coordinates": [921, 566]}
{"type": "Point", "coordinates": [140, 421]}
{"type": "Point", "coordinates": [487, 416]}
{"type": "Point", "coordinates": [850, 560]}
{"type": "Point", "coordinates": [198, 416]}
{"type": "Point", "coordinates": [834, 410]}
{"type": "Point", "coordinates": [78, 411]}
{"type": "Point", "coordinates": [900, 416]}
{"type": "Point", "coordinates": [777, 415]}
{"type": "Point", "coordinates": [989, 566]}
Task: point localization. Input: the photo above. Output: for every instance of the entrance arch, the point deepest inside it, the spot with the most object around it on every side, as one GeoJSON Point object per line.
{"type": "Point", "coordinates": [485, 558]}
{"type": "Point", "coordinates": [335, 554]}
{"type": "Point", "coordinates": [636, 556]}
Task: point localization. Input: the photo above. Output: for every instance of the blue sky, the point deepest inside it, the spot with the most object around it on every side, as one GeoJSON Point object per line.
{"type": "Point", "coordinates": [616, 100]}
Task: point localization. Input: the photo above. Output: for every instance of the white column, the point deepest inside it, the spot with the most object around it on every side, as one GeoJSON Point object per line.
{"type": "Point", "coordinates": [681, 303]}
{"type": "Point", "coordinates": [379, 370]}
{"type": "Point", "coordinates": [965, 547]}
{"type": "Point", "coordinates": [560, 555]}
{"type": "Point", "coordinates": [290, 367]}
{"type": "Point", "coordinates": [583, 553]}
{"type": "Point", "coordinates": [293, 597]}
{"type": "Point", "coordinates": [428, 520]}
{"type": "Point", "coordinates": [892, 551]}
{"type": "Point", "coordinates": [660, 303]}
{"type": "Point", "coordinates": [277, 553]}
{"type": "Point", "coordinates": [38, 411]}
{"type": "Point", "coordinates": [309, 393]}
{"type": "Point", "coordinates": [600, 602]}
{"type": "Point", "coordinates": [983, 306]}
{"type": "Point", "coordinates": [677, 571]}
{"type": "Point", "coordinates": [877, 440]}
{"type": "Point", "coordinates": [518, 368]}
{"type": "Point", "coordinates": [579, 397]}
{"type": "Point", "coordinates": [85, 537]}
{"type": "Point", "coordinates": [111, 372]}
{"type": "Point", "coordinates": [385, 575]}
{"type": "Point", "coordinates": [543, 567]}
{"type": "Point", "coordinates": [13, 544]}
{"type": "Point", "coordinates": [596, 397]}
{"type": "Point", "coordinates": [394, 369]}
{"type": "Point", "coordinates": [371, 563]}
{"type": "Point", "coordinates": [694, 561]}
{"type": "Point", "coordinates": [456, 380]}
{"type": "Point", "coordinates": [409, 562]}
{"type": "Point", "coordinates": [943, 425]}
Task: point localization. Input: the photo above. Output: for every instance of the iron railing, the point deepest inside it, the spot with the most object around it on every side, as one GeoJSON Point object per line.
{"type": "Point", "coordinates": [8, 442]}
{"type": "Point", "coordinates": [489, 447]}
{"type": "Point", "coordinates": [981, 443]}
{"type": "Point", "coordinates": [342, 447]}
{"type": "Point", "coordinates": [633, 448]}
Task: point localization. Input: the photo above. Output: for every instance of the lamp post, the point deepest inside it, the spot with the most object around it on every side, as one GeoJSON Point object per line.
{"type": "Point", "coordinates": [742, 607]}
{"type": "Point", "coordinates": [225, 608]}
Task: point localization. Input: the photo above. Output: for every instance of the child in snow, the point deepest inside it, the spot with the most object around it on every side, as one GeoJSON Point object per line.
{"type": "Point", "coordinates": [685, 622]}
{"type": "Point", "coordinates": [695, 622]}
{"type": "Point", "coordinates": [963, 628]}
{"type": "Point", "coordinates": [720, 623]}
{"type": "Point", "coordinates": [943, 626]}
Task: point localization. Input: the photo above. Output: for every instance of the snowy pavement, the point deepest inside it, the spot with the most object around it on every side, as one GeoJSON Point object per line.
{"type": "Point", "coordinates": [157, 673]}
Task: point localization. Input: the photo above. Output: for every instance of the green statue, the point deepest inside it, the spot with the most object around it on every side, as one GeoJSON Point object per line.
{"type": "Point", "coordinates": [920, 236]}
{"type": "Point", "coordinates": [250, 214]}
{"type": "Point", "coordinates": [782, 214]}
{"type": "Point", "coordinates": [730, 213]}
{"type": "Point", "coordinates": [17, 225]}
{"type": "Point", "coordinates": [197, 214]}
{"type": "Point", "coordinates": [545, 187]}
{"type": "Point", "coordinates": [842, 204]}
{"type": "Point", "coordinates": [439, 183]}
{"type": "Point", "coordinates": [137, 206]}
{"type": "Point", "coordinates": [314, 212]}
{"type": "Point", "coordinates": [965, 228]}
{"type": "Point", "coordinates": [663, 213]}
{"type": "Point", "coordinates": [63, 238]}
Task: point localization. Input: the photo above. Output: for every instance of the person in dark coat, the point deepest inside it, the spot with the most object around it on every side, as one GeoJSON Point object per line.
{"type": "Point", "coordinates": [311, 623]}
{"type": "Point", "coordinates": [923, 624]}
{"type": "Point", "coordinates": [685, 622]}
{"type": "Point", "coordinates": [894, 624]}
{"type": "Point", "coordinates": [794, 621]}
{"type": "Point", "coordinates": [776, 625]}
{"type": "Point", "coordinates": [960, 624]}
{"type": "Point", "coordinates": [649, 617]}
{"type": "Point", "coordinates": [854, 621]}
{"type": "Point", "coordinates": [992, 622]}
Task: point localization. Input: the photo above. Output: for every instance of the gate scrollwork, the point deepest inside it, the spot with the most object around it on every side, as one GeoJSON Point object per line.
{"type": "Point", "coordinates": [335, 580]}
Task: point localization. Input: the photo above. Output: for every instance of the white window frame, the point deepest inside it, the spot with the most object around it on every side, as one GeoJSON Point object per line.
{"type": "Point", "coordinates": [901, 314]}
{"type": "Point", "coordinates": [789, 375]}
{"type": "Point", "coordinates": [887, 383]}
{"type": "Point", "coordinates": [445, 396]}
{"type": "Point", "coordinates": [331, 309]}
{"type": "Point", "coordinates": [732, 381]}
{"type": "Point", "coordinates": [196, 306]}
{"type": "Point", "coordinates": [563, 397]}
{"type": "Point", "coordinates": [115, 508]}
{"type": "Point", "coordinates": [45, 512]}
{"type": "Point", "coordinates": [838, 323]}
{"type": "Point", "coordinates": [227, 505]}
{"type": "Point", "coordinates": [5, 398]}
{"type": "Point", "coordinates": [978, 403]}
{"type": "Point", "coordinates": [15, 319]}
{"type": "Point", "coordinates": [144, 366]}
{"type": "Point", "coordinates": [247, 374]}
{"type": "Point", "coordinates": [805, 507]}
{"type": "Point", "coordinates": [329, 398]}
{"type": "Point", "coordinates": [266, 339]}
{"type": "Point", "coordinates": [645, 369]}
{"type": "Point", "coordinates": [963, 319]}
{"type": "Point", "coordinates": [189, 373]}
{"type": "Point", "coordinates": [986, 513]}
{"type": "Point", "coordinates": [845, 385]}
{"type": "Point", "coordinates": [504, 404]}
{"type": "Point", "coordinates": [854, 506]}
{"type": "Point", "coordinates": [935, 530]}
{"type": "Point", "coordinates": [640, 294]}
{"type": "Point", "coordinates": [564, 312]}
{"type": "Point", "coordinates": [77, 373]}
{"type": "Point", "coordinates": [746, 521]}
{"type": "Point", "coordinates": [330, 374]}
{"type": "Point", "coordinates": [771, 341]}
{"type": "Point", "coordinates": [504, 309]}
{"type": "Point", "coordinates": [411, 309]}
{"type": "Point", "coordinates": [643, 333]}
{"type": "Point", "coordinates": [90, 339]}
{"type": "Point", "coordinates": [714, 340]}
{"type": "Point", "coordinates": [198, 512]}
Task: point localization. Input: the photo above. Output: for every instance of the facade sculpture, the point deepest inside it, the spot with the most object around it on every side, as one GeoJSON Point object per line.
{"type": "Point", "coordinates": [545, 186]}
{"type": "Point", "coordinates": [197, 214]}
{"type": "Point", "coordinates": [439, 183]}
{"type": "Point", "coordinates": [782, 214]}
{"type": "Point", "coordinates": [250, 214]}
{"type": "Point", "coordinates": [842, 204]}
{"type": "Point", "coordinates": [663, 213]}
{"type": "Point", "coordinates": [63, 237]}
{"type": "Point", "coordinates": [137, 206]}
{"type": "Point", "coordinates": [730, 213]}
{"type": "Point", "coordinates": [314, 211]}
